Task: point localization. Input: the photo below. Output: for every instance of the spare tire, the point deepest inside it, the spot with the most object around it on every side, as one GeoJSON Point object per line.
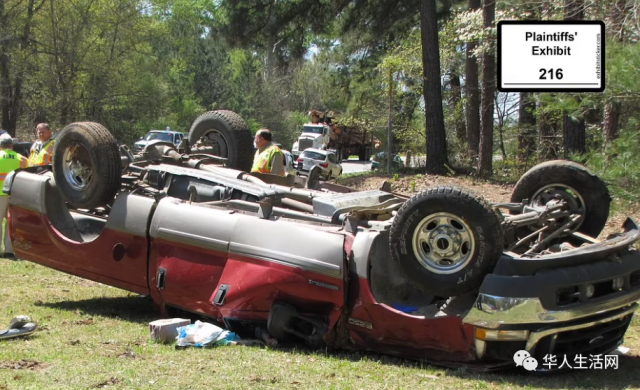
{"type": "Point", "coordinates": [224, 134]}
{"type": "Point", "coordinates": [86, 165]}
{"type": "Point", "coordinates": [445, 241]}
{"type": "Point", "coordinates": [585, 192]}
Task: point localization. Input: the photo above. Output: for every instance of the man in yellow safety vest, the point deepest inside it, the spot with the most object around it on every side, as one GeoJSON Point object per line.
{"type": "Point", "coordinates": [9, 161]}
{"type": "Point", "coordinates": [42, 150]}
{"type": "Point", "coordinates": [269, 158]}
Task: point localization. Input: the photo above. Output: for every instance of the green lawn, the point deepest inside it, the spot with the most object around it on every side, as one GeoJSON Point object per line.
{"type": "Point", "coordinates": [95, 336]}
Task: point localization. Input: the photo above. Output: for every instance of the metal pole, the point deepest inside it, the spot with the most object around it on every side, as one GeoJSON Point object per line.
{"type": "Point", "coordinates": [389, 130]}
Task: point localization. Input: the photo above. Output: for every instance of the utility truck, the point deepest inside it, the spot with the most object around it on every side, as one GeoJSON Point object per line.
{"type": "Point", "coordinates": [325, 131]}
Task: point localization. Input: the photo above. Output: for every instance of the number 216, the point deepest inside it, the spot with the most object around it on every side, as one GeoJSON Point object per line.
{"type": "Point", "coordinates": [551, 73]}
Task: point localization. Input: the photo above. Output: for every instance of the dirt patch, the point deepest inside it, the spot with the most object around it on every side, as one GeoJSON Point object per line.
{"type": "Point", "coordinates": [128, 353]}
{"type": "Point", "coordinates": [110, 382]}
{"type": "Point", "coordinates": [23, 365]}
{"type": "Point", "coordinates": [412, 184]}
{"type": "Point", "coordinates": [86, 321]}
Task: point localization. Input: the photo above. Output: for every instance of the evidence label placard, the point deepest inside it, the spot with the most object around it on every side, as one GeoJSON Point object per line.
{"type": "Point", "coordinates": [550, 56]}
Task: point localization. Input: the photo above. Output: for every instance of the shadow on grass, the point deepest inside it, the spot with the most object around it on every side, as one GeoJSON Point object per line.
{"type": "Point", "coordinates": [626, 376]}
{"type": "Point", "coordinates": [133, 309]}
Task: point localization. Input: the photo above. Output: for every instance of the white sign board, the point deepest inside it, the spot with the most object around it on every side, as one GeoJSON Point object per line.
{"type": "Point", "coordinates": [551, 56]}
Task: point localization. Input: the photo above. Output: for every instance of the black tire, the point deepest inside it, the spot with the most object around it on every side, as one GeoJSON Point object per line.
{"type": "Point", "coordinates": [313, 179]}
{"type": "Point", "coordinates": [233, 139]}
{"type": "Point", "coordinates": [469, 218]}
{"type": "Point", "coordinates": [578, 178]}
{"type": "Point", "coordinates": [93, 147]}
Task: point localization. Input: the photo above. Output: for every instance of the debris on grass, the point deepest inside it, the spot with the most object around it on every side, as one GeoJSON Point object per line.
{"type": "Point", "coordinates": [203, 334]}
{"type": "Point", "coordinates": [23, 364]}
{"type": "Point", "coordinates": [110, 382]}
{"type": "Point", "coordinates": [128, 353]}
{"type": "Point", "coordinates": [166, 330]}
{"type": "Point", "coordinates": [87, 321]}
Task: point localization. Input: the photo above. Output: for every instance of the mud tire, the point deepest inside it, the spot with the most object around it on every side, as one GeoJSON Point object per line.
{"type": "Point", "coordinates": [590, 187]}
{"type": "Point", "coordinates": [233, 130]}
{"type": "Point", "coordinates": [93, 145]}
{"type": "Point", "coordinates": [484, 228]}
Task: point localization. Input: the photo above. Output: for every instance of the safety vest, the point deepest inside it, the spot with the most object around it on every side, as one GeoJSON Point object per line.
{"type": "Point", "coordinates": [262, 161]}
{"type": "Point", "coordinates": [9, 162]}
{"type": "Point", "coordinates": [44, 156]}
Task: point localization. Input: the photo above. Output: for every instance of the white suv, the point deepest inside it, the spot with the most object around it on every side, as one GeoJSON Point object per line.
{"type": "Point", "coordinates": [325, 159]}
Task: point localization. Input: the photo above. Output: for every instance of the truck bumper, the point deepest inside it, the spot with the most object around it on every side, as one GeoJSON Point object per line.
{"type": "Point", "coordinates": [585, 308]}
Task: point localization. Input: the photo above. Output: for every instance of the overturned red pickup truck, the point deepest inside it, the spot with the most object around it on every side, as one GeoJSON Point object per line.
{"type": "Point", "coordinates": [442, 276]}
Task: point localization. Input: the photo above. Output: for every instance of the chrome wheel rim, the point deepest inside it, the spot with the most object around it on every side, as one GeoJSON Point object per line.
{"type": "Point", "coordinates": [557, 191]}
{"type": "Point", "coordinates": [443, 243]}
{"type": "Point", "coordinates": [77, 167]}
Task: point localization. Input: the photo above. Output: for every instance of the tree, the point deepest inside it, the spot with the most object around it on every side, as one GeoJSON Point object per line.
{"type": "Point", "coordinates": [16, 22]}
{"type": "Point", "coordinates": [574, 126]}
{"type": "Point", "coordinates": [455, 99]}
{"type": "Point", "coordinates": [612, 107]}
{"type": "Point", "coordinates": [436, 136]}
{"type": "Point", "coordinates": [526, 126]}
{"type": "Point", "coordinates": [473, 92]}
{"type": "Point", "coordinates": [526, 110]}
{"type": "Point", "coordinates": [485, 166]}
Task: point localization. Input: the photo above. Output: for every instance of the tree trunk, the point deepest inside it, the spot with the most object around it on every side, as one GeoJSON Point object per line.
{"type": "Point", "coordinates": [612, 108]}
{"type": "Point", "coordinates": [271, 45]}
{"type": "Point", "coordinates": [454, 103]}
{"type": "Point", "coordinates": [5, 80]}
{"type": "Point", "coordinates": [611, 120]}
{"type": "Point", "coordinates": [436, 136]}
{"type": "Point", "coordinates": [574, 130]}
{"type": "Point", "coordinates": [574, 136]}
{"type": "Point", "coordinates": [11, 89]}
{"type": "Point", "coordinates": [526, 126]}
{"type": "Point", "coordinates": [473, 93]}
{"type": "Point", "coordinates": [547, 137]}
{"type": "Point", "coordinates": [485, 166]}
{"type": "Point", "coordinates": [573, 9]}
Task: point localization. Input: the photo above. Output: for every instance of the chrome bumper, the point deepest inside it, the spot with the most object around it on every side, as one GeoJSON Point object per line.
{"type": "Point", "coordinates": [535, 337]}
{"type": "Point", "coordinates": [492, 312]}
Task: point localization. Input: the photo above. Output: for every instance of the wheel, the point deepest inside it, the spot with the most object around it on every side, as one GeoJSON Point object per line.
{"type": "Point", "coordinates": [313, 179]}
{"type": "Point", "coordinates": [226, 135]}
{"type": "Point", "coordinates": [329, 175]}
{"type": "Point", "coordinates": [445, 240]}
{"type": "Point", "coordinates": [585, 193]}
{"type": "Point", "coordinates": [339, 173]}
{"type": "Point", "coordinates": [86, 165]}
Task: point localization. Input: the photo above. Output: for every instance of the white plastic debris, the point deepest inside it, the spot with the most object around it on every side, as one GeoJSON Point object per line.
{"type": "Point", "coordinates": [203, 334]}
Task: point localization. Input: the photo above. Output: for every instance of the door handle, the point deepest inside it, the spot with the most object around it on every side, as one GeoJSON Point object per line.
{"type": "Point", "coordinates": [162, 275]}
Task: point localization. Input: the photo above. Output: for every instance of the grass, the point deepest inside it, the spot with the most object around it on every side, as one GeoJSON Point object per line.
{"type": "Point", "coordinates": [94, 336]}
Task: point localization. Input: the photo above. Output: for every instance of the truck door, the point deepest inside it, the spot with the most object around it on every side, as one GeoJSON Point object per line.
{"type": "Point", "coordinates": [188, 253]}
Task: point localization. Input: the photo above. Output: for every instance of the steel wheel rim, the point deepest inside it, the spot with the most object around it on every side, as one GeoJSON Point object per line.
{"type": "Point", "coordinates": [214, 139]}
{"type": "Point", "coordinates": [443, 243]}
{"type": "Point", "coordinates": [569, 194]}
{"type": "Point", "coordinates": [77, 167]}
